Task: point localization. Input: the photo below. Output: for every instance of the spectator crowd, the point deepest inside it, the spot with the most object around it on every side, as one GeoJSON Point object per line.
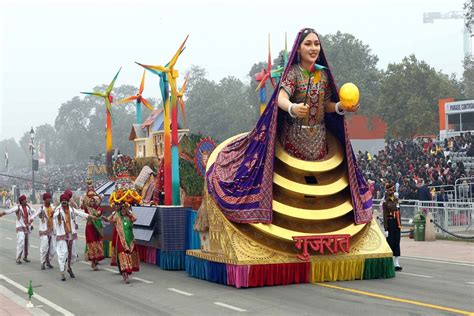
{"type": "Point", "coordinates": [419, 169]}
{"type": "Point", "coordinates": [53, 177]}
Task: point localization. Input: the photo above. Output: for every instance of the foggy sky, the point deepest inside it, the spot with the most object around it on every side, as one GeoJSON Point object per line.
{"type": "Point", "coordinates": [51, 50]}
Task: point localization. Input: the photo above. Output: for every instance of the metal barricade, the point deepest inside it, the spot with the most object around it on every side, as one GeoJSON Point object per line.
{"type": "Point", "coordinates": [448, 188]}
{"type": "Point", "coordinates": [464, 188]}
{"type": "Point", "coordinates": [451, 216]}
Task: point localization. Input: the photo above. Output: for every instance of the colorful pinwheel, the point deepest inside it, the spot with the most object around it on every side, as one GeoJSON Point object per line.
{"type": "Point", "coordinates": [138, 101]}
{"type": "Point", "coordinates": [262, 78]}
{"type": "Point", "coordinates": [267, 74]}
{"type": "Point", "coordinates": [108, 119]}
{"type": "Point", "coordinates": [180, 100]}
{"type": "Point", "coordinates": [278, 72]}
{"type": "Point", "coordinates": [168, 76]}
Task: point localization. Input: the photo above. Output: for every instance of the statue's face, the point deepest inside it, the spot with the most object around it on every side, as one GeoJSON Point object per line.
{"type": "Point", "coordinates": [310, 48]}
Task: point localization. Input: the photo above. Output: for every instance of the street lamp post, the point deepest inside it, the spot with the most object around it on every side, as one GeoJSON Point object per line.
{"type": "Point", "coordinates": [32, 147]}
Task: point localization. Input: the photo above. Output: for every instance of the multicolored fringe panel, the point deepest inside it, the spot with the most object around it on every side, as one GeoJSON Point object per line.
{"type": "Point", "coordinates": [166, 260]}
{"type": "Point", "coordinates": [289, 273]}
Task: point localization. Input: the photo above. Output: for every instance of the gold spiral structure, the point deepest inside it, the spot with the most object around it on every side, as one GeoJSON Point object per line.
{"type": "Point", "coordinates": [310, 198]}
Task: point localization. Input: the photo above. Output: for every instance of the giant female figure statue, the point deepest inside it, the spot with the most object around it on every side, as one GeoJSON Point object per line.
{"type": "Point", "coordinates": [303, 108]}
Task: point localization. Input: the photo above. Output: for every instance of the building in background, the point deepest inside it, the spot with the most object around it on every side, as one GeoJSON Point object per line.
{"type": "Point", "coordinates": [148, 137]}
{"type": "Point", "coordinates": [455, 117]}
{"type": "Point", "coordinates": [366, 134]}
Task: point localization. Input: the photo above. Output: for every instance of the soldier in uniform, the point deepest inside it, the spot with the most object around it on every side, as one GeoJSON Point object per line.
{"type": "Point", "coordinates": [392, 222]}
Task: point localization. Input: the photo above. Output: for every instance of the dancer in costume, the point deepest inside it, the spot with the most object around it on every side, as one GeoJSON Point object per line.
{"type": "Point", "coordinates": [392, 223]}
{"type": "Point", "coordinates": [23, 212]}
{"type": "Point", "coordinates": [64, 223]}
{"type": "Point", "coordinates": [304, 106]}
{"type": "Point", "coordinates": [122, 219]}
{"type": "Point", "coordinates": [94, 228]}
{"type": "Point", "coordinates": [47, 238]}
{"type": "Point", "coordinates": [69, 193]}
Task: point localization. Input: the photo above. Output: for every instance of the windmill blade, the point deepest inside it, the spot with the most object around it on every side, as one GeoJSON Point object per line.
{"type": "Point", "coordinates": [269, 62]}
{"type": "Point", "coordinates": [111, 85]}
{"type": "Point", "coordinates": [183, 113]}
{"type": "Point", "coordinates": [168, 63]}
{"type": "Point", "coordinates": [178, 52]}
{"type": "Point", "coordinates": [155, 68]}
{"type": "Point", "coordinates": [174, 88]}
{"type": "Point", "coordinates": [142, 84]}
{"type": "Point", "coordinates": [149, 69]}
{"type": "Point", "coordinates": [108, 106]}
{"type": "Point", "coordinates": [147, 104]}
{"type": "Point", "coordinates": [262, 83]}
{"type": "Point", "coordinates": [259, 76]}
{"type": "Point", "coordinates": [185, 84]}
{"type": "Point", "coordinates": [97, 94]}
{"type": "Point", "coordinates": [127, 100]}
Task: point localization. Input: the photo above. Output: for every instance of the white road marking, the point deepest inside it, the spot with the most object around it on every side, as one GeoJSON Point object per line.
{"type": "Point", "coordinates": [438, 261]}
{"type": "Point", "coordinates": [470, 282]}
{"type": "Point", "coordinates": [418, 275]}
{"type": "Point", "coordinates": [110, 270]}
{"type": "Point", "coordinates": [38, 297]}
{"type": "Point", "coordinates": [180, 292]}
{"type": "Point", "coordinates": [230, 307]}
{"type": "Point", "coordinates": [33, 246]}
{"type": "Point", "coordinates": [142, 280]}
{"type": "Point", "coordinates": [8, 238]}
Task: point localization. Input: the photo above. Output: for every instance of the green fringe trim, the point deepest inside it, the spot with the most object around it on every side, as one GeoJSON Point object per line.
{"type": "Point", "coordinates": [378, 268]}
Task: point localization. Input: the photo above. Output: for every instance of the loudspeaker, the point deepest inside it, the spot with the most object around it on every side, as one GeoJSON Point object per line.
{"type": "Point", "coordinates": [35, 164]}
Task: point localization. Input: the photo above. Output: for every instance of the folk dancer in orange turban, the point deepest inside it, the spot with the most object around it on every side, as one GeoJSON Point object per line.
{"type": "Point", "coordinates": [64, 222]}
{"type": "Point", "coordinates": [23, 212]}
{"type": "Point", "coordinates": [47, 238]}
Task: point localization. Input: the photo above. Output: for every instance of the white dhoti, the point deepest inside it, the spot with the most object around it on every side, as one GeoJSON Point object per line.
{"type": "Point", "coordinates": [22, 245]}
{"type": "Point", "coordinates": [62, 251]}
{"type": "Point", "coordinates": [47, 248]}
{"type": "Point", "coordinates": [66, 250]}
{"type": "Point", "coordinates": [73, 251]}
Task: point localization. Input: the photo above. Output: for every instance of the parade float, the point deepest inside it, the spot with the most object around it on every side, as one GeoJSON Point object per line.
{"type": "Point", "coordinates": [320, 228]}
{"type": "Point", "coordinates": [313, 235]}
